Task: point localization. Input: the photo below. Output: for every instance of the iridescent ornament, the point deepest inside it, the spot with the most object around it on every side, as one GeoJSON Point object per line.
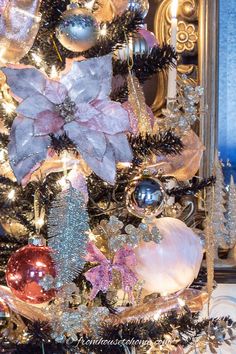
{"type": "Point", "coordinates": [4, 314]}
{"type": "Point", "coordinates": [26, 268]}
{"type": "Point", "coordinates": [19, 24]}
{"type": "Point", "coordinates": [140, 43]}
{"type": "Point", "coordinates": [145, 197]}
{"type": "Point", "coordinates": [77, 30]}
{"type": "Point", "coordinates": [171, 265]}
{"type": "Point", "coordinates": [140, 6]}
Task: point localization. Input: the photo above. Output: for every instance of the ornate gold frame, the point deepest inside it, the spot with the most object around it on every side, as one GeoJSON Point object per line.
{"type": "Point", "coordinates": [197, 58]}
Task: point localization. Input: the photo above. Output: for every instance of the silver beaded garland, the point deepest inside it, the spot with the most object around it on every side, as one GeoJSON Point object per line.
{"type": "Point", "coordinates": [77, 30]}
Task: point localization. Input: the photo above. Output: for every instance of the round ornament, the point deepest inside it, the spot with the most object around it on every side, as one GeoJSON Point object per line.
{"type": "Point", "coordinates": [171, 265]}
{"type": "Point", "coordinates": [4, 314]}
{"type": "Point", "coordinates": [141, 43]}
{"type": "Point", "coordinates": [26, 268]}
{"type": "Point", "coordinates": [145, 197]}
{"type": "Point", "coordinates": [141, 6]}
{"type": "Point", "coordinates": [77, 30]}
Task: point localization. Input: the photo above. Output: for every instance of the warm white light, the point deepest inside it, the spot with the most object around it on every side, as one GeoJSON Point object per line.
{"type": "Point", "coordinates": [89, 4]}
{"type": "Point", "coordinates": [9, 107]}
{"type": "Point", "coordinates": [174, 8]}
{"type": "Point", "coordinates": [157, 315]}
{"type": "Point", "coordinates": [181, 302]}
{"type": "Point", "coordinates": [12, 195]}
{"type": "Point", "coordinates": [2, 155]}
{"type": "Point", "coordinates": [103, 30]}
{"type": "Point", "coordinates": [63, 183]}
{"type": "Point", "coordinates": [36, 58]}
{"type": "Point", "coordinates": [39, 223]}
{"type": "Point", "coordinates": [54, 73]}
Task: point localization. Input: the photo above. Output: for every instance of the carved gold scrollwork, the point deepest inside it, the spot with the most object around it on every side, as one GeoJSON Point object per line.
{"type": "Point", "coordinates": [187, 38]}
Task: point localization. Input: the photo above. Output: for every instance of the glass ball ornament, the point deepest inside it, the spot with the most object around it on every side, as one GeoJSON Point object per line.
{"type": "Point", "coordinates": [140, 43]}
{"type": "Point", "coordinates": [145, 197]}
{"type": "Point", "coordinates": [77, 30]}
{"type": "Point", "coordinates": [26, 268]}
{"type": "Point", "coordinates": [141, 6]}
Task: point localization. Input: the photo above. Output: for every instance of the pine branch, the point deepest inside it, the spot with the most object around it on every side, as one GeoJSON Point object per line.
{"type": "Point", "coordinates": [117, 32]}
{"type": "Point", "coordinates": [146, 65]}
{"type": "Point", "coordinates": [194, 187]}
{"type": "Point", "coordinates": [164, 143]}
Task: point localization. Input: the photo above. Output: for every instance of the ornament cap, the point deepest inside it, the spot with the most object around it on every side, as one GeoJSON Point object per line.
{"type": "Point", "coordinates": [37, 240]}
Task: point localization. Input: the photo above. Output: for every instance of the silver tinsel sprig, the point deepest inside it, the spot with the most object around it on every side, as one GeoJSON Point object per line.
{"type": "Point", "coordinates": [183, 112]}
{"type": "Point", "coordinates": [68, 234]}
{"type": "Point", "coordinates": [112, 231]}
{"type": "Point", "coordinates": [70, 317]}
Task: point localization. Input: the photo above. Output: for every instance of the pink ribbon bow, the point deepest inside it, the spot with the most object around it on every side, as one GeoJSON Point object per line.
{"type": "Point", "coordinates": [77, 105]}
{"type": "Point", "coordinates": [101, 275]}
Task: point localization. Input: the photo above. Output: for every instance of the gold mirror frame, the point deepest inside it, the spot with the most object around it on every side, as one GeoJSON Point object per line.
{"type": "Point", "coordinates": [197, 48]}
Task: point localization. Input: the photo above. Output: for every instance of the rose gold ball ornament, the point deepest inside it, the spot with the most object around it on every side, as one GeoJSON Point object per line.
{"type": "Point", "coordinates": [145, 197]}
{"type": "Point", "coordinates": [77, 30]}
{"type": "Point", "coordinates": [171, 265]}
{"type": "Point", "coordinates": [26, 269]}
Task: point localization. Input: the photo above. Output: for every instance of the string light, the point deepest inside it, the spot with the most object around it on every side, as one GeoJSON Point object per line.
{"type": "Point", "coordinates": [39, 223]}
{"type": "Point", "coordinates": [12, 195]}
{"type": "Point", "coordinates": [54, 73]}
{"type": "Point", "coordinates": [2, 155]}
{"type": "Point", "coordinates": [103, 30]}
{"type": "Point", "coordinates": [8, 107]}
{"type": "Point", "coordinates": [181, 302]}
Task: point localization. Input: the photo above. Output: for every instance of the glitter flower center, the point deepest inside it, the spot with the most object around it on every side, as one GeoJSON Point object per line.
{"type": "Point", "coordinates": [67, 109]}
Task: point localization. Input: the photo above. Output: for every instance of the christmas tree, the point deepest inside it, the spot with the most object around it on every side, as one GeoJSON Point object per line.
{"type": "Point", "coordinates": [231, 216]}
{"type": "Point", "coordinates": [91, 186]}
{"type": "Point", "coordinates": [216, 206]}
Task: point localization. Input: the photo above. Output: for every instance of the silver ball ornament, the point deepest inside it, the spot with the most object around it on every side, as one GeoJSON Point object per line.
{"type": "Point", "coordinates": [77, 30]}
{"type": "Point", "coordinates": [140, 43]}
{"type": "Point", "coordinates": [145, 197]}
{"type": "Point", "coordinates": [142, 6]}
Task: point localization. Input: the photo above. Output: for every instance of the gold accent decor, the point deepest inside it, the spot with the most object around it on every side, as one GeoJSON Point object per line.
{"type": "Point", "coordinates": [197, 58]}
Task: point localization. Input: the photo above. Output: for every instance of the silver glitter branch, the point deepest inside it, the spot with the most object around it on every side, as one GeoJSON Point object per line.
{"type": "Point", "coordinates": [68, 234]}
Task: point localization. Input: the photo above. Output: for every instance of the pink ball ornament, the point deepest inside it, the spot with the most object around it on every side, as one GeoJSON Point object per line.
{"type": "Point", "coordinates": [26, 268]}
{"type": "Point", "coordinates": [173, 264]}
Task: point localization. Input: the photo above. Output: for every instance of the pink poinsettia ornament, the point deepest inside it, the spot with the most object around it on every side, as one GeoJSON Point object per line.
{"type": "Point", "coordinates": [77, 105]}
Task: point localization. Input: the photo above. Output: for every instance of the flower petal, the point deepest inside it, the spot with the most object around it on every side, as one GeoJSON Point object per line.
{"type": "Point", "coordinates": [121, 147]}
{"type": "Point", "coordinates": [113, 118]}
{"type": "Point", "coordinates": [47, 122]}
{"type": "Point", "coordinates": [25, 82]}
{"type": "Point", "coordinates": [55, 91]}
{"type": "Point", "coordinates": [34, 105]}
{"type": "Point", "coordinates": [25, 150]}
{"type": "Point", "coordinates": [87, 141]}
{"type": "Point", "coordinates": [89, 79]}
{"type": "Point", "coordinates": [105, 168]}
{"type": "Point", "coordinates": [85, 112]}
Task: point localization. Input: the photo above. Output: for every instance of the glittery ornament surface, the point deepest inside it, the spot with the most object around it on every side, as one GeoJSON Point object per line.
{"type": "Point", "coordinates": [19, 24]}
{"type": "Point", "coordinates": [26, 268]}
{"type": "Point", "coordinates": [68, 227]}
{"type": "Point", "coordinates": [138, 105]}
{"type": "Point", "coordinates": [78, 30]}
